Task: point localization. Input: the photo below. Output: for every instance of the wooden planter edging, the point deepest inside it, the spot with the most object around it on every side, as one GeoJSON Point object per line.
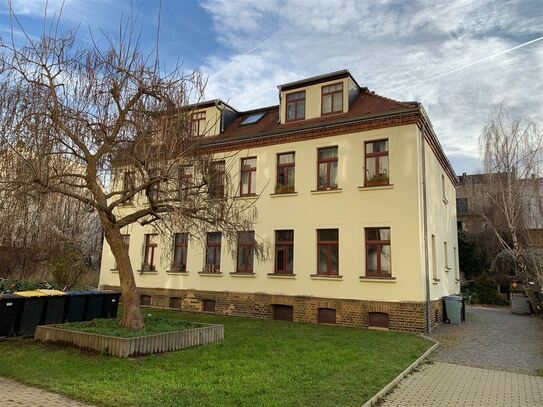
{"type": "Point", "coordinates": [136, 346]}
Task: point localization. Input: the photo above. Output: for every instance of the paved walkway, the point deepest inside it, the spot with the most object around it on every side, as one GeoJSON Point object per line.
{"type": "Point", "coordinates": [13, 394]}
{"type": "Point", "coordinates": [489, 361]}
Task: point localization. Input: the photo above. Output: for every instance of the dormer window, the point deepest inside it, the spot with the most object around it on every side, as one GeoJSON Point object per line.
{"type": "Point", "coordinates": [198, 123]}
{"type": "Point", "coordinates": [295, 106]}
{"type": "Point", "coordinates": [332, 98]}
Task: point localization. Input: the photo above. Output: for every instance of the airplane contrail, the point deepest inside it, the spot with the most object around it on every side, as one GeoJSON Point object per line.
{"type": "Point", "coordinates": [486, 58]}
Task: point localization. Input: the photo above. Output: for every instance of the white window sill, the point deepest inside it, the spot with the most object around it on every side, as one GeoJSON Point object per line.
{"type": "Point", "coordinates": [147, 271]}
{"type": "Point", "coordinates": [204, 274]}
{"type": "Point", "coordinates": [324, 277]}
{"type": "Point", "coordinates": [376, 187]}
{"type": "Point", "coordinates": [377, 280]}
{"type": "Point", "coordinates": [247, 197]}
{"type": "Point", "coordinates": [250, 275]}
{"type": "Point", "coordinates": [284, 195]}
{"type": "Point", "coordinates": [326, 191]}
{"type": "Point", "coordinates": [284, 275]}
{"type": "Point", "coordinates": [177, 272]}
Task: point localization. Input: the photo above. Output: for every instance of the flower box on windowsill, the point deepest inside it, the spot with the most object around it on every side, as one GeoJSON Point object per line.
{"type": "Point", "coordinates": [146, 269]}
{"type": "Point", "coordinates": [377, 180]}
{"type": "Point", "coordinates": [284, 189]}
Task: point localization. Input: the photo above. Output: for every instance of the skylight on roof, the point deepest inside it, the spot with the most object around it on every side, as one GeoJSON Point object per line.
{"type": "Point", "coordinates": [253, 118]}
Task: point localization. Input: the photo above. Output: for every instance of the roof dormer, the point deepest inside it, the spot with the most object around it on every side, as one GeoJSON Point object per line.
{"type": "Point", "coordinates": [322, 95]}
{"type": "Point", "coordinates": [211, 118]}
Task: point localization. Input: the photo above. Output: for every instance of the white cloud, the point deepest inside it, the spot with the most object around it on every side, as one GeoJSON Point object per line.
{"type": "Point", "coordinates": [395, 48]}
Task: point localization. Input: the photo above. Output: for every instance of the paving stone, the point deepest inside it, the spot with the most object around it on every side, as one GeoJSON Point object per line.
{"type": "Point", "coordinates": [446, 384]}
{"type": "Point", "coordinates": [13, 394]}
{"type": "Point", "coordinates": [492, 360]}
{"type": "Point", "coordinates": [493, 338]}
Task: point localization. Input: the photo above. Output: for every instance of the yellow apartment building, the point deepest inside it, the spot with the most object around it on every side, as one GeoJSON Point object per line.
{"type": "Point", "coordinates": [356, 200]}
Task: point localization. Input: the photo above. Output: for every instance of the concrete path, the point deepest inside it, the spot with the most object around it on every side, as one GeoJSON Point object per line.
{"type": "Point", "coordinates": [492, 360]}
{"type": "Point", "coordinates": [13, 394]}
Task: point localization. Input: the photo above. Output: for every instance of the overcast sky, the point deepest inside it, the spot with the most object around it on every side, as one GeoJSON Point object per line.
{"type": "Point", "coordinates": [459, 58]}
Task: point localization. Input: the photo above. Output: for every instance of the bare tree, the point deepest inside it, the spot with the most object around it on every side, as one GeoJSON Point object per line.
{"type": "Point", "coordinates": [502, 195]}
{"type": "Point", "coordinates": [108, 127]}
{"type": "Point", "coordinates": [34, 229]}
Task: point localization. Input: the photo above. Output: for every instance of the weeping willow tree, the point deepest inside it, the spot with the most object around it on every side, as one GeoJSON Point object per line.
{"type": "Point", "coordinates": [107, 126]}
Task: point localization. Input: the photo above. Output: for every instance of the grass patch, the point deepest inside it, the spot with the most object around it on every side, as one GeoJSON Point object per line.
{"type": "Point", "coordinates": [259, 363]}
{"type": "Point", "coordinates": [153, 325]}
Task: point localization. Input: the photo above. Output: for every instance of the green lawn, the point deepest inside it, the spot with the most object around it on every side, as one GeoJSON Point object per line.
{"type": "Point", "coordinates": [260, 363]}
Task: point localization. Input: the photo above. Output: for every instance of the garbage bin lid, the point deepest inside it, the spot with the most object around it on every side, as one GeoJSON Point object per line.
{"type": "Point", "coordinates": [10, 297]}
{"type": "Point", "coordinates": [30, 294]}
{"type": "Point", "coordinates": [453, 297]}
{"type": "Point", "coordinates": [51, 292]}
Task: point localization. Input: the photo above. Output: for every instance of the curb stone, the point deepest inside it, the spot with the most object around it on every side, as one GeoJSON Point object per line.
{"type": "Point", "coordinates": [390, 386]}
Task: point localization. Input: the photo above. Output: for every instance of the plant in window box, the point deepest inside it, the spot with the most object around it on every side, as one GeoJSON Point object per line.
{"type": "Point", "coordinates": [146, 268]}
{"type": "Point", "coordinates": [177, 268]}
{"type": "Point", "coordinates": [212, 269]}
{"type": "Point", "coordinates": [378, 179]}
{"type": "Point", "coordinates": [284, 189]}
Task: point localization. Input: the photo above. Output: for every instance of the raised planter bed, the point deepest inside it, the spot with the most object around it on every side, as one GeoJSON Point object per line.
{"type": "Point", "coordinates": [133, 346]}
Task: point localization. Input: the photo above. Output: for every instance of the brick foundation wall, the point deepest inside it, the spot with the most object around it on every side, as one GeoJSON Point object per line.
{"type": "Point", "coordinates": [402, 316]}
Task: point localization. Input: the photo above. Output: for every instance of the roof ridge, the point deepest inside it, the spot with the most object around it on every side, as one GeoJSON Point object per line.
{"type": "Point", "coordinates": [403, 104]}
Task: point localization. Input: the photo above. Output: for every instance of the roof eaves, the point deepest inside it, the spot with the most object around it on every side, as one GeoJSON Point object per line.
{"type": "Point", "coordinates": [317, 79]}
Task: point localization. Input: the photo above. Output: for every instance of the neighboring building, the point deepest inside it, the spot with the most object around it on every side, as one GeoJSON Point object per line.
{"type": "Point", "coordinates": [471, 222]}
{"type": "Point", "coordinates": [357, 201]}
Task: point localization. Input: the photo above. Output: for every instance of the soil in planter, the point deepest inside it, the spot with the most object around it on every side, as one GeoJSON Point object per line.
{"type": "Point", "coordinates": [111, 327]}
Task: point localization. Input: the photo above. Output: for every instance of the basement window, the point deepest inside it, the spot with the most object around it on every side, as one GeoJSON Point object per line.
{"type": "Point", "coordinates": [254, 118]}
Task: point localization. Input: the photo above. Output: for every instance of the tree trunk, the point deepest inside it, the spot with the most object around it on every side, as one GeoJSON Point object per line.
{"type": "Point", "coordinates": [132, 318]}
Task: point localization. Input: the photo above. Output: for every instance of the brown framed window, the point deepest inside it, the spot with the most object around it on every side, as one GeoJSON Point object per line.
{"type": "Point", "coordinates": [376, 163]}
{"type": "Point", "coordinates": [327, 168]}
{"type": "Point", "coordinates": [378, 252]}
{"type": "Point", "coordinates": [213, 253]}
{"type": "Point", "coordinates": [128, 184]}
{"type": "Point", "coordinates": [286, 165]}
{"type": "Point", "coordinates": [186, 174]}
{"type": "Point", "coordinates": [151, 244]}
{"type": "Point", "coordinates": [378, 320]}
{"type": "Point", "coordinates": [284, 251]}
{"type": "Point", "coordinates": [332, 98]}
{"type": "Point", "coordinates": [175, 302]}
{"type": "Point", "coordinates": [145, 300]}
{"type": "Point", "coordinates": [295, 106]}
{"type": "Point", "coordinates": [198, 123]}
{"type": "Point", "coordinates": [326, 315]}
{"type": "Point", "coordinates": [246, 246]}
{"type": "Point", "coordinates": [328, 251]}
{"type": "Point", "coordinates": [209, 305]}
{"type": "Point", "coordinates": [248, 176]}
{"type": "Point", "coordinates": [283, 312]}
{"type": "Point", "coordinates": [216, 179]}
{"type": "Point", "coordinates": [126, 242]}
{"type": "Point", "coordinates": [180, 250]}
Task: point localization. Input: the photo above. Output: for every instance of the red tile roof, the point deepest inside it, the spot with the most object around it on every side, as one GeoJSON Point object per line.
{"type": "Point", "coordinates": [368, 104]}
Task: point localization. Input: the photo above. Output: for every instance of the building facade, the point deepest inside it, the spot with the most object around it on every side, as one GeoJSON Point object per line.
{"type": "Point", "coordinates": [356, 201]}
